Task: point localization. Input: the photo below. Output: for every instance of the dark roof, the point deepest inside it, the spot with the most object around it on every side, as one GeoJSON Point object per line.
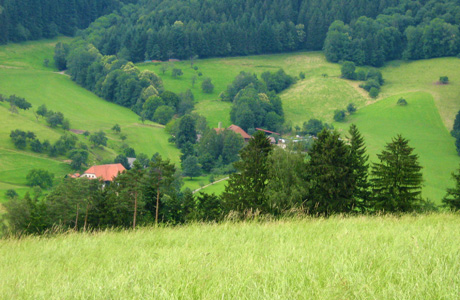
{"type": "Point", "coordinates": [267, 131]}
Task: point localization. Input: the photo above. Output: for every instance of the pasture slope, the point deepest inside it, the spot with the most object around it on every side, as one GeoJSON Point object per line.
{"type": "Point", "coordinates": [23, 73]}
{"type": "Point", "coordinates": [426, 121]}
{"type": "Point", "coordinates": [405, 257]}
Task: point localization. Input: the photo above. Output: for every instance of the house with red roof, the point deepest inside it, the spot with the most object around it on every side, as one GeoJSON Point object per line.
{"type": "Point", "coordinates": [106, 172]}
{"type": "Point", "coordinates": [236, 129]}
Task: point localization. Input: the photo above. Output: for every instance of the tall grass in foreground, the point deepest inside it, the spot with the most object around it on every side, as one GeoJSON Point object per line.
{"type": "Point", "coordinates": [408, 257]}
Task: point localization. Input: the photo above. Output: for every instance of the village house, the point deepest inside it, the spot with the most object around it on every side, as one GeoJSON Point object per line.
{"type": "Point", "coordinates": [236, 129]}
{"type": "Point", "coordinates": [105, 172]}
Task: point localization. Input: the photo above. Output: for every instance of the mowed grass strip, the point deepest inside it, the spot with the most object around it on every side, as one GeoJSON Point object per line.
{"type": "Point", "coordinates": [419, 122]}
{"type": "Point", "coordinates": [408, 257]}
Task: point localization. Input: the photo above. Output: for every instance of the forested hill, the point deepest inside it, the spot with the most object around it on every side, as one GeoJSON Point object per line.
{"type": "Point", "coordinates": [162, 29]}
{"type": "Point", "coordinates": [365, 31]}
{"type": "Point", "coordinates": [22, 20]}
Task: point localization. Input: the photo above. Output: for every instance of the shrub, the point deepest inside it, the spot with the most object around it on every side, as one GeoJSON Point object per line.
{"type": "Point", "coordinates": [302, 75]}
{"type": "Point", "coordinates": [207, 86]}
{"type": "Point", "coordinates": [348, 70]}
{"type": "Point", "coordinates": [339, 115]}
{"type": "Point", "coordinates": [40, 177]}
{"type": "Point", "coordinates": [374, 92]}
{"type": "Point", "coordinates": [351, 108]}
{"type": "Point", "coordinates": [401, 102]}
{"type": "Point", "coordinates": [444, 80]}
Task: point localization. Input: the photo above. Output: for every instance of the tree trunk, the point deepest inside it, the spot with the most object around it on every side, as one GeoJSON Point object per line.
{"type": "Point", "coordinates": [76, 220]}
{"type": "Point", "coordinates": [135, 210]}
{"type": "Point", "coordinates": [86, 216]}
{"type": "Point", "coordinates": [158, 205]}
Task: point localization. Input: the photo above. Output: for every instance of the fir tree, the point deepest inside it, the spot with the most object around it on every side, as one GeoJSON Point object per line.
{"type": "Point", "coordinates": [397, 179]}
{"type": "Point", "coordinates": [245, 189]}
{"type": "Point", "coordinates": [360, 168]}
{"type": "Point", "coordinates": [452, 198]}
{"type": "Point", "coordinates": [331, 173]}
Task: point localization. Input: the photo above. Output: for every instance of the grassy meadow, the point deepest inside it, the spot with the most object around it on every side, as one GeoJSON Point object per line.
{"type": "Point", "coordinates": [408, 257]}
{"type": "Point", "coordinates": [426, 121]}
{"type": "Point", "coordinates": [23, 73]}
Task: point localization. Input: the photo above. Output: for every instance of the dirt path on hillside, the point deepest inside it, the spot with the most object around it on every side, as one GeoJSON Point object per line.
{"type": "Point", "coordinates": [203, 187]}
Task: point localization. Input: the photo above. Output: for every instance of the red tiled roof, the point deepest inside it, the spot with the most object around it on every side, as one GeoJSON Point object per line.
{"type": "Point", "coordinates": [239, 130]}
{"type": "Point", "coordinates": [106, 172]}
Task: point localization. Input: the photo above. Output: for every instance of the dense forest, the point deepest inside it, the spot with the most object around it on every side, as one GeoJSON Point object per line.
{"type": "Point", "coordinates": [22, 20]}
{"type": "Point", "coordinates": [162, 29]}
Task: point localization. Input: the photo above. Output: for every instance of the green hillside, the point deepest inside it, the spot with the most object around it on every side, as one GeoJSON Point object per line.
{"type": "Point", "coordinates": [423, 121]}
{"type": "Point", "coordinates": [406, 257]}
{"type": "Point", "coordinates": [22, 73]}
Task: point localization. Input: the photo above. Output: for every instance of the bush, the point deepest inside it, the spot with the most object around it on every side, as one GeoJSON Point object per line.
{"type": "Point", "coordinates": [40, 177]}
{"type": "Point", "coordinates": [361, 75]}
{"type": "Point", "coordinates": [348, 70]}
{"type": "Point", "coordinates": [302, 75]}
{"type": "Point", "coordinates": [351, 108]}
{"type": "Point", "coordinates": [401, 102]}
{"type": "Point", "coordinates": [339, 115]}
{"type": "Point", "coordinates": [177, 72]}
{"type": "Point", "coordinates": [207, 86]}
{"type": "Point", "coordinates": [374, 92]}
{"type": "Point", "coordinates": [444, 80]}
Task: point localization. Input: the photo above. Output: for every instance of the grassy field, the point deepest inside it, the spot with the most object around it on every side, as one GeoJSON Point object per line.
{"type": "Point", "coordinates": [409, 257]}
{"type": "Point", "coordinates": [222, 71]}
{"type": "Point", "coordinates": [22, 73]}
{"type": "Point", "coordinates": [419, 122]}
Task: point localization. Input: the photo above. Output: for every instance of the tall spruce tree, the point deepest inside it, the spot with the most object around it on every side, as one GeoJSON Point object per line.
{"type": "Point", "coordinates": [360, 168]}
{"type": "Point", "coordinates": [245, 189]}
{"type": "Point", "coordinates": [452, 198]}
{"type": "Point", "coordinates": [397, 179]}
{"type": "Point", "coordinates": [331, 171]}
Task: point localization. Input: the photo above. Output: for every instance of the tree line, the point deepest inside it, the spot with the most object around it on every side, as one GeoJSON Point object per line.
{"type": "Point", "coordinates": [23, 20]}
{"type": "Point", "coordinates": [183, 29]}
{"type": "Point", "coordinates": [119, 81]}
{"type": "Point", "coordinates": [410, 30]}
{"type": "Point", "coordinates": [334, 178]}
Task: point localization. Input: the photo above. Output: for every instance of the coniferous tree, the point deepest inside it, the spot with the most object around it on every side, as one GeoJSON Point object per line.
{"type": "Point", "coordinates": [245, 189]}
{"type": "Point", "coordinates": [397, 179]}
{"type": "Point", "coordinates": [452, 198]}
{"type": "Point", "coordinates": [330, 168]}
{"type": "Point", "coordinates": [360, 169]}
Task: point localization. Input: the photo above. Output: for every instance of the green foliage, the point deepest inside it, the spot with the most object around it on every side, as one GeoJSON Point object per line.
{"type": "Point", "coordinates": [54, 118]}
{"type": "Point", "coordinates": [19, 102]}
{"type": "Point", "coordinates": [302, 75]}
{"type": "Point", "coordinates": [186, 131]}
{"type": "Point", "coordinates": [278, 81]}
{"type": "Point", "coordinates": [190, 167]}
{"type": "Point", "coordinates": [98, 139]}
{"type": "Point", "coordinates": [452, 197]}
{"type": "Point", "coordinates": [331, 173]}
{"type": "Point", "coordinates": [122, 159]}
{"type": "Point", "coordinates": [397, 178]}
{"type": "Point", "coordinates": [314, 126]}
{"type": "Point", "coordinates": [40, 177]}
{"type": "Point", "coordinates": [245, 189]}
{"type": "Point", "coordinates": [351, 108]}
{"type": "Point", "coordinates": [348, 70]}
{"type": "Point", "coordinates": [288, 185]}
{"type": "Point", "coordinates": [163, 114]}
{"type": "Point", "coordinates": [339, 116]}
{"type": "Point", "coordinates": [79, 158]}
{"type": "Point", "coordinates": [360, 167]}
{"type": "Point", "coordinates": [176, 72]}
{"type": "Point", "coordinates": [116, 128]}
{"type": "Point", "coordinates": [207, 86]}
{"type": "Point", "coordinates": [444, 80]}
{"type": "Point", "coordinates": [11, 194]}
{"type": "Point", "coordinates": [401, 102]}
{"type": "Point", "coordinates": [374, 92]}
